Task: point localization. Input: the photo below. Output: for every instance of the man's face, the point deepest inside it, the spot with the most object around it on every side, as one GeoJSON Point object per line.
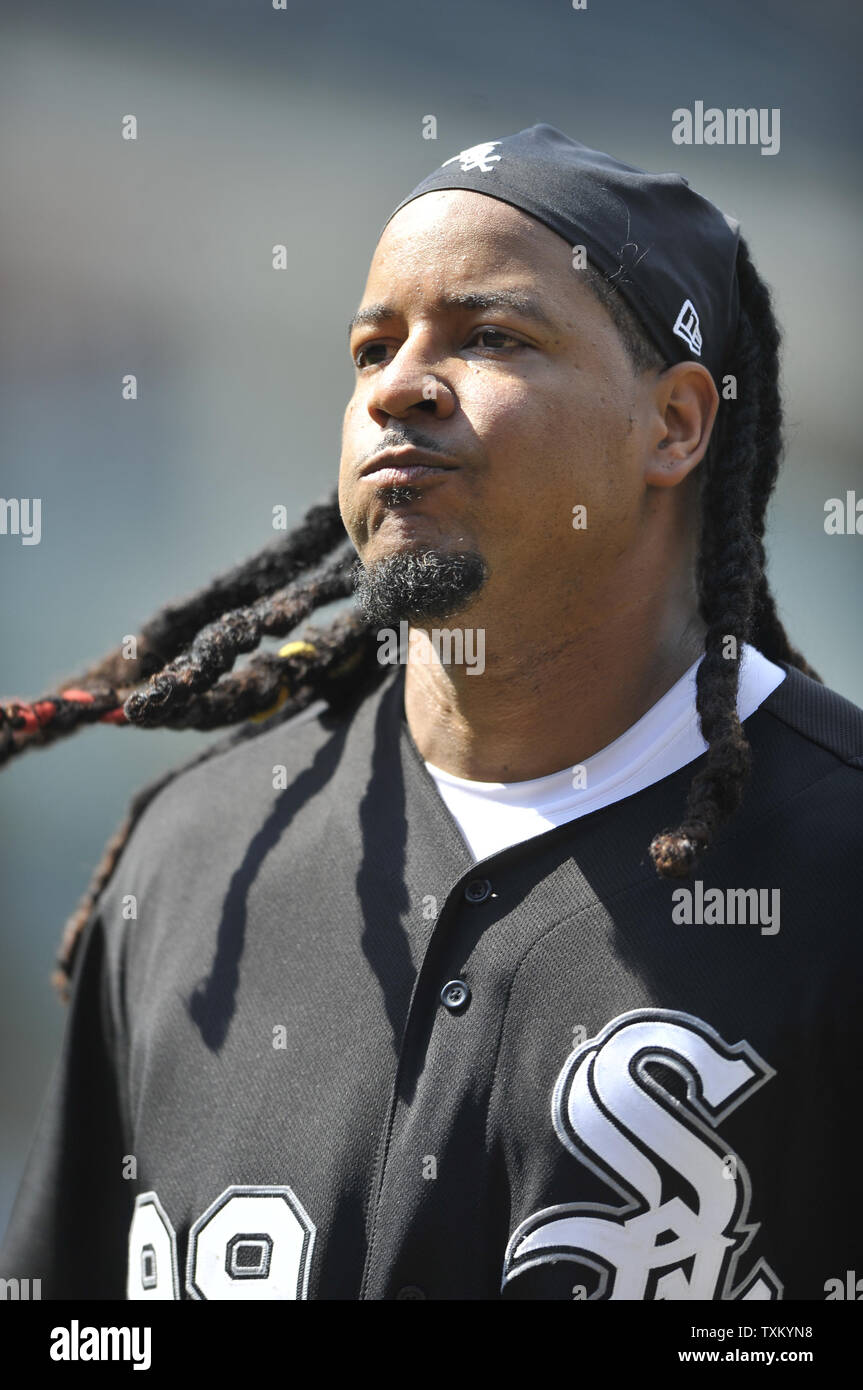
{"type": "Point", "coordinates": [477, 345]}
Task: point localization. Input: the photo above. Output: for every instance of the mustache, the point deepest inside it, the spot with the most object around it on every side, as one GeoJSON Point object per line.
{"type": "Point", "coordinates": [395, 439]}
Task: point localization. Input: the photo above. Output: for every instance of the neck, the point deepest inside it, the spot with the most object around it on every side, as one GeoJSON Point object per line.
{"type": "Point", "coordinates": [544, 701]}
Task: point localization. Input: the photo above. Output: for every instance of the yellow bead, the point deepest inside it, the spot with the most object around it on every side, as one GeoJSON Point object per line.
{"type": "Point", "coordinates": [297, 649]}
{"type": "Point", "coordinates": [289, 649]}
{"type": "Point", "coordinates": [265, 713]}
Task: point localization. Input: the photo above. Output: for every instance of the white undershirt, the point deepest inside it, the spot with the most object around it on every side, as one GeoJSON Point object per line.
{"type": "Point", "coordinates": [493, 815]}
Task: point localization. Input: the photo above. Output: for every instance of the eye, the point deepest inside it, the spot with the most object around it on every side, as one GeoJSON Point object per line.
{"type": "Point", "coordinates": [498, 333]}
{"type": "Point", "coordinates": [496, 340]}
{"type": "Point", "coordinates": [363, 352]}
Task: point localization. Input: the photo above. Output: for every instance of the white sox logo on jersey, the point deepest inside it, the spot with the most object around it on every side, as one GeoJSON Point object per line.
{"type": "Point", "coordinates": [615, 1117]}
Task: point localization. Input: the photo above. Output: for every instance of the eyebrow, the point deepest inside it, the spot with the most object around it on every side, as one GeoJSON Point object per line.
{"type": "Point", "coordinates": [527, 305]}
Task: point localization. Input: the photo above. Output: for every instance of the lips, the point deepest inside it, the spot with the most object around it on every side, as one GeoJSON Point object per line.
{"type": "Point", "coordinates": [405, 465]}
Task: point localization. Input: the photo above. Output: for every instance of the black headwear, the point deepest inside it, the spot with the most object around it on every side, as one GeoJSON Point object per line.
{"type": "Point", "coordinates": [671, 252]}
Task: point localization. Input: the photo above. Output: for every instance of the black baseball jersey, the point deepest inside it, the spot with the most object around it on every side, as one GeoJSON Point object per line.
{"type": "Point", "coordinates": [315, 1051]}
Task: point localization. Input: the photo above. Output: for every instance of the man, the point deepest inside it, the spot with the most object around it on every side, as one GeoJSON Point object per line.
{"type": "Point", "coordinates": [529, 977]}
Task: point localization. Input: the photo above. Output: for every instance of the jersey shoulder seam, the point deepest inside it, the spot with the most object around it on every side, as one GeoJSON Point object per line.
{"type": "Point", "coordinates": [794, 686]}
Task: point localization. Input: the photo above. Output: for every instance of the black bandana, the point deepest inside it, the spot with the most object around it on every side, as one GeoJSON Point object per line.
{"type": "Point", "coordinates": [671, 252]}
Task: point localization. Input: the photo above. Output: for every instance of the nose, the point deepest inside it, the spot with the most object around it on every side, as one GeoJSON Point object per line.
{"type": "Point", "coordinates": [406, 384]}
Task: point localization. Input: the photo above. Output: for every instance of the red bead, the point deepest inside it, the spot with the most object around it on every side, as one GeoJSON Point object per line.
{"type": "Point", "coordinates": [114, 716]}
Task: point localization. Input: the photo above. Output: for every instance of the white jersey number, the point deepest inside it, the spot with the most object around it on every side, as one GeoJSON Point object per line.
{"type": "Point", "coordinates": [252, 1243]}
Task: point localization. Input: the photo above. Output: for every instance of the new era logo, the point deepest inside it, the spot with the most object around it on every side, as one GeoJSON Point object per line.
{"type": "Point", "coordinates": [477, 157]}
{"type": "Point", "coordinates": [688, 327]}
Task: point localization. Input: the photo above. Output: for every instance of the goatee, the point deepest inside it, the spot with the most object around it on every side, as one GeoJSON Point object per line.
{"type": "Point", "coordinates": [417, 585]}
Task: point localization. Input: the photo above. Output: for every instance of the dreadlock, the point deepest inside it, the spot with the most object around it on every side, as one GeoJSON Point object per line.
{"type": "Point", "coordinates": [737, 478]}
{"type": "Point", "coordinates": [182, 677]}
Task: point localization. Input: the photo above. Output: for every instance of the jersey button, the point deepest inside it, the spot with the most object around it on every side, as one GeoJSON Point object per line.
{"type": "Point", "coordinates": [477, 890]}
{"type": "Point", "coordinates": [410, 1291]}
{"type": "Point", "coordinates": [455, 996]}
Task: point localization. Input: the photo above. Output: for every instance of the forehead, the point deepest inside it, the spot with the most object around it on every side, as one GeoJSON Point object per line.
{"type": "Point", "coordinates": [455, 239]}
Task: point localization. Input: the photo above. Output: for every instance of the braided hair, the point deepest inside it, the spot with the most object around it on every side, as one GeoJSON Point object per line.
{"type": "Point", "coordinates": [182, 676]}
{"type": "Point", "coordinates": [734, 599]}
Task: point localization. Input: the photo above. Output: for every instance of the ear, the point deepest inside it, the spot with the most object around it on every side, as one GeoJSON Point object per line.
{"type": "Point", "coordinates": [683, 407]}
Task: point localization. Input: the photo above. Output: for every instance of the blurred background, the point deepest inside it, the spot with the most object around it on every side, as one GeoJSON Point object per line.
{"type": "Point", "coordinates": [305, 127]}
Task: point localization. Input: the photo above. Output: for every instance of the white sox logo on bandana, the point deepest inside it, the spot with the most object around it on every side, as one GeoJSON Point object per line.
{"type": "Point", "coordinates": [477, 157]}
{"type": "Point", "coordinates": [613, 1114]}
